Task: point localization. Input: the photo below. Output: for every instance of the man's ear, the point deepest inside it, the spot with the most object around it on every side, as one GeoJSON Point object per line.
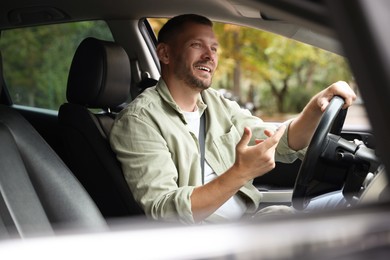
{"type": "Point", "coordinates": [163, 52]}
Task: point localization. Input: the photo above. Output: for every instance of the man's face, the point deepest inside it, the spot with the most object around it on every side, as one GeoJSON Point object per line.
{"type": "Point", "coordinates": [194, 55]}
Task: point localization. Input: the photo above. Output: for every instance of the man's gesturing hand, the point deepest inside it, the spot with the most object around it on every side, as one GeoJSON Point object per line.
{"type": "Point", "coordinates": [257, 160]}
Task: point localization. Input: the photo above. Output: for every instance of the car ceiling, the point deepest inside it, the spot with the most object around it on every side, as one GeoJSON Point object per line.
{"type": "Point", "coordinates": [258, 14]}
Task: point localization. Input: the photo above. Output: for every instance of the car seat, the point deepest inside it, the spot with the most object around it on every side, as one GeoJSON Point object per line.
{"type": "Point", "coordinates": [38, 193]}
{"type": "Point", "coordinates": [99, 78]}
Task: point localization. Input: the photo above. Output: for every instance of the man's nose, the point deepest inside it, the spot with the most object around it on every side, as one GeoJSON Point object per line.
{"type": "Point", "coordinates": [209, 54]}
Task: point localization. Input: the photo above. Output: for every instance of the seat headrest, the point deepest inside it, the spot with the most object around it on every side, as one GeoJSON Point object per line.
{"type": "Point", "coordinates": [100, 75]}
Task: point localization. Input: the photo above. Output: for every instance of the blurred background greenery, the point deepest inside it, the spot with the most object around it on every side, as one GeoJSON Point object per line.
{"type": "Point", "coordinates": [270, 75]}
{"type": "Point", "coordinates": [36, 60]}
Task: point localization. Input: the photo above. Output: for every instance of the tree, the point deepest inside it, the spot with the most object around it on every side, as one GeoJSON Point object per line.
{"type": "Point", "coordinates": [277, 64]}
{"type": "Point", "coordinates": [37, 60]}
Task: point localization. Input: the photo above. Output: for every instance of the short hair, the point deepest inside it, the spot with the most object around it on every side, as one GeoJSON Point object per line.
{"type": "Point", "coordinates": [175, 25]}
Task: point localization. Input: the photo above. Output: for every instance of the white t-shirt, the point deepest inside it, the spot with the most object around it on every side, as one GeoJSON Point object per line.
{"type": "Point", "coordinates": [235, 207]}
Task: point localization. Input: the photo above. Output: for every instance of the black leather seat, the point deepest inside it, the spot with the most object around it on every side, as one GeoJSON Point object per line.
{"type": "Point", "coordinates": [38, 193]}
{"type": "Point", "coordinates": [99, 78]}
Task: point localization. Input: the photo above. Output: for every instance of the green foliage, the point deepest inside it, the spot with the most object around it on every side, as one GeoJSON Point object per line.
{"type": "Point", "coordinates": [284, 72]}
{"type": "Point", "coordinates": [275, 74]}
{"type": "Point", "coordinates": [37, 60]}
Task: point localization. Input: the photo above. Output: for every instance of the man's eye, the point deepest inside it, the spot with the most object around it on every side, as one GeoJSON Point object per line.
{"type": "Point", "coordinates": [196, 45]}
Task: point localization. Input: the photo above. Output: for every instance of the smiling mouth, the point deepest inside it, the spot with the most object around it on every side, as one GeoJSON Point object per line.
{"type": "Point", "coordinates": [203, 68]}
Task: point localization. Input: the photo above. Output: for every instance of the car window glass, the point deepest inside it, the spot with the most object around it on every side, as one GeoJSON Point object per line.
{"type": "Point", "coordinates": [37, 60]}
{"type": "Point", "coordinates": [273, 76]}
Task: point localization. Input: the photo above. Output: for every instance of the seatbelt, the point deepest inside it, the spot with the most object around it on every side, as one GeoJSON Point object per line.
{"type": "Point", "coordinates": [202, 136]}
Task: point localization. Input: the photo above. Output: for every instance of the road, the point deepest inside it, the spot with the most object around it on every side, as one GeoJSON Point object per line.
{"type": "Point", "coordinates": [357, 116]}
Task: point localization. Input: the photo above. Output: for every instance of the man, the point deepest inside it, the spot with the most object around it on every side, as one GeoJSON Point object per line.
{"type": "Point", "coordinates": [156, 138]}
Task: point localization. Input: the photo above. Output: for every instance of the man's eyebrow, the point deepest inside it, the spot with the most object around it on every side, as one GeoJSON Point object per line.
{"type": "Point", "coordinates": [203, 40]}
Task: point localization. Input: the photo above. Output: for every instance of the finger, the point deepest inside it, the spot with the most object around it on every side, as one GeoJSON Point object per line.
{"type": "Point", "coordinates": [323, 103]}
{"type": "Point", "coordinates": [246, 137]}
{"type": "Point", "coordinates": [341, 88]}
{"type": "Point", "coordinates": [324, 106]}
{"type": "Point", "coordinates": [349, 100]}
{"type": "Point", "coordinates": [268, 133]}
{"type": "Point", "coordinates": [347, 103]}
{"type": "Point", "coordinates": [274, 139]}
{"type": "Point", "coordinates": [259, 141]}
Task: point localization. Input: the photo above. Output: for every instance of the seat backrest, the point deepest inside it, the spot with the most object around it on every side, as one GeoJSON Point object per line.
{"type": "Point", "coordinates": [99, 77]}
{"type": "Point", "coordinates": [38, 193]}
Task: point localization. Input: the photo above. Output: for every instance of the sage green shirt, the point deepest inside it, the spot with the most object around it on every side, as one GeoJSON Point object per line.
{"type": "Point", "coordinates": [160, 156]}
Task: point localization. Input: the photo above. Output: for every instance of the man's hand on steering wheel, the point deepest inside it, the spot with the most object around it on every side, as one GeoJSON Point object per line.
{"type": "Point", "coordinates": [340, 88]}
{"type": "Point", "coordinates": [301, 130]}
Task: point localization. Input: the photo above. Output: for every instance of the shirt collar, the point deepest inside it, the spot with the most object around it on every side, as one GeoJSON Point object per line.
{"type": "Point", "coordinates": [163, 90]}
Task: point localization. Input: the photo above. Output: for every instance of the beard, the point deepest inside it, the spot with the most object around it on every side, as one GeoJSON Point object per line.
{"type": "Point", "coordinates": [195, 82]}
{"type": "Point", "coordinates": [185, 73]}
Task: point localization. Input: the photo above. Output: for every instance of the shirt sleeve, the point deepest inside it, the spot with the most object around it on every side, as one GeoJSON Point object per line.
{"type": "Point", "coordinates": [150, 171]}
{"type": "Point", "coordinates": [284, 153]}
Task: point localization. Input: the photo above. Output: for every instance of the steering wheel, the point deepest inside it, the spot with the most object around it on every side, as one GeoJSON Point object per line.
{"type": "Point", "coordinates": [331, 121]}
